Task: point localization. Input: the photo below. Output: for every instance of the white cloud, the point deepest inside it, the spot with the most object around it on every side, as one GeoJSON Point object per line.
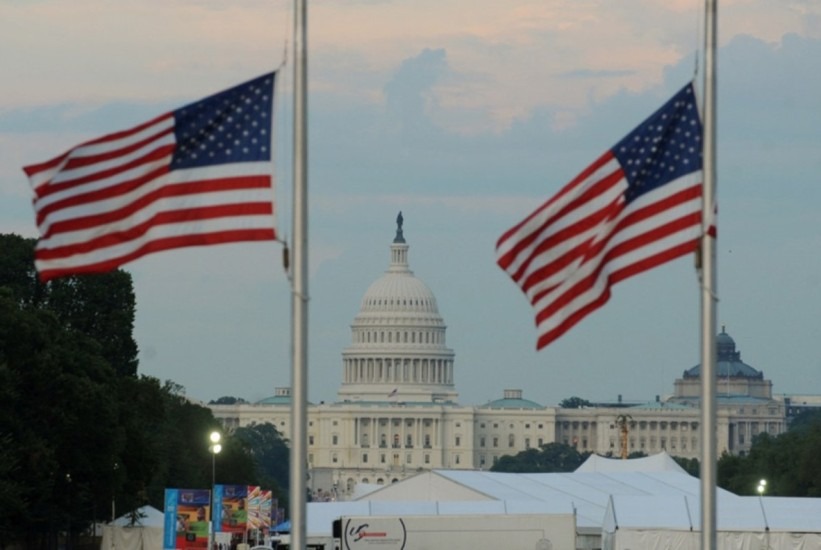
{"type": "Point", "coordinates": [516, 99]}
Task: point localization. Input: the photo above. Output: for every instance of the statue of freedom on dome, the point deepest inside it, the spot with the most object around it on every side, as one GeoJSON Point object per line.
{"type": "Point", "coordinates": [400, 238]}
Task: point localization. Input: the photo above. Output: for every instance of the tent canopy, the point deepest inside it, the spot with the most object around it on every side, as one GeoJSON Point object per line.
{"type": "Point", "coordinates": [734, 513]}
{"type": "Point", "coordinates": [141, 529]}
{"type": "Point", "coordinates": [146, 516]}
{"type": "Point", "coordinates": [284, 527]}
{"type": "Point", "coordinates": [587, 490]}
{"type": "Point", "coordinates": [661, 462]}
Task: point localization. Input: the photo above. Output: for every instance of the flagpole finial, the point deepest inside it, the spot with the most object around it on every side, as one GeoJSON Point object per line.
{"type": "Point", "coordinates": [400, 238]}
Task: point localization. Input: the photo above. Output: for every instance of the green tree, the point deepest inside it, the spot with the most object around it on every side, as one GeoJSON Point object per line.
{"type": "Point", "coordinates": [790, 462]}
{"type": "Point", "coordinates": [690, 465]}
{"type": "Point", "coordinates": [167, 445]}
{"type": "Point", "coordinates": [228, 400]}
{"type": "Point", "coordinates": [79, 429]}
{"type": "Point", "coordinates": [181, 440]}
{"type": "Point", "coordinates": [805, 421]}
{"type": "Point", "coordinates": [574, 403]}
{"type": "Point", "coordinates": [101, 306]}
{"type": "Point", "coordinates": [553, 457]}
{"type": "Point", "coordinates": [60, 416]}
{"type": "Point", "coordinates": [17, 271]}
{"type": "Point", "coordinates": [271, 455]}
{"type": "Point", "coordinates": [730, 472]}
{"type": "Point", "coordinates": [11, 490]}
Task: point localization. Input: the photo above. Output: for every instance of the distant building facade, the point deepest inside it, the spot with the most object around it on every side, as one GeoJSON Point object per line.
{"type": "Point", "coordinates": [398, 413]}
{"type": "Point", "coordinates": [797, 404]}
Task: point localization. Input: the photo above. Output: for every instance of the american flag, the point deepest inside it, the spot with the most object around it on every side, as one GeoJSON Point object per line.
{"type": "Point", "coordinates": [199, 175]}
{"type": "Point", "coordinates": [636, 207]}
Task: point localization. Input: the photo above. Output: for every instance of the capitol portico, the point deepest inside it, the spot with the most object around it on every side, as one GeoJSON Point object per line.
{"type": "Point", "coordinates": [398, 413]}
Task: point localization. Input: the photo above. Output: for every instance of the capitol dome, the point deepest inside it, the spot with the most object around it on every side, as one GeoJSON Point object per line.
{"type": "Point", "coordinates": [399, 291]}
{"type": "Point", "coordinates": [398, 349]}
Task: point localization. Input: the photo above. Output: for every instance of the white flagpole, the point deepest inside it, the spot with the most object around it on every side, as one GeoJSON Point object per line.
{"type": "Point", "coordinates": [709, 271]}
{"type": "Point", "coordinates": [299, 296]}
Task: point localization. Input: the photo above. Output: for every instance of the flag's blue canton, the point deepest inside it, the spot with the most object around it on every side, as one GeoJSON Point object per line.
{"type": "Point", "coordinates": [231, 126]}
{"type": "Point", "coordinates": [664, 147]}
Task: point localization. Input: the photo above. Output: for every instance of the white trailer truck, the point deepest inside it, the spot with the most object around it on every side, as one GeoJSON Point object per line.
{"type": "Point", "coordinates": [462, 532]}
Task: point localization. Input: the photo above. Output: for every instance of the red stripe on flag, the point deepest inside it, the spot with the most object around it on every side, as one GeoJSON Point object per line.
{"type": "Point", "coordinates": [80, 162]}
{"type": "Point", "coordinates": [155, 155]}
{"type": "Point", "coordinates": [34, 169]}
{"type": "Point", "coordinates": [588, 221]}
{"type": "Point", "coordinates": [198, 239]}
{"type": "Point", "coordinates": [161, 218]}
{"type": "Point", "coordinates": [101, 194]}
{"type": "Point", "coordinates": [621, 249]}
{"type": "Point", "coordinates": [166, 191]}
{"type": "Point", "coordinates": [522, 242]}
{"type": "Point", "coordinates": [582, 249]}
{"type": "Point", "coordinates": [604, 297]}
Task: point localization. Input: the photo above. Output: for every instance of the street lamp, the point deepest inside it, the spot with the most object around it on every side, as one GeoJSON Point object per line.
{"type": "Point", "coordinates": [215, 448]}
{"type": "Point", "coordinates": [113, 497]}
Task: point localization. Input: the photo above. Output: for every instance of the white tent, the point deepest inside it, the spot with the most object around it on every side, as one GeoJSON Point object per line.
{"type": "Point", "coordinates": [139, 530]}
{"type": "Point", "coordinates": [651, 499]}
{"type": "Point", "coordinates": [460, 492]}
{"type": "Point", "coordinates": [587, 493]}
{"type": "Point", "coordinates": [661, 462]}
{"type": "Point", "coordinates": [743, 523]}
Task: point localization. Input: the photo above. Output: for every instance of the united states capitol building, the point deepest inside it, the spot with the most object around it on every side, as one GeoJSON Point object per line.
{"type": "Point", "coordinates": [398, 413]}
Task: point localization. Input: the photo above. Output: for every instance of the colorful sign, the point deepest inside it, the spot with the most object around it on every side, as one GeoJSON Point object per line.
{"type": "Point", "coordinates": [230, 508]}
{"type": "Point", "coordinates": [187, 519]}
{"type": "Point", "coordinates": [241, 511]}
{"type": "Point", "coordinates": [259, 509]}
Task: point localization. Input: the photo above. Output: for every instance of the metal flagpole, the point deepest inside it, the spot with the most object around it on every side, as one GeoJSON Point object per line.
{"type": "Point", "coordinates": [709, 271]}
{"type": "Point", "coordinates": [299, 292]}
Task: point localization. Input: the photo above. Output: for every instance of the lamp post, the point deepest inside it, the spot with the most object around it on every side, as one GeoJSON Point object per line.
{"type": "Point", "coordinates": [762, 488]}
{"type": "Point", "coordinates": [215, 448]}
{"type": "Point", "coordinates": [70, 508]}
{"type": "Point", "coordinates": [114, 499]}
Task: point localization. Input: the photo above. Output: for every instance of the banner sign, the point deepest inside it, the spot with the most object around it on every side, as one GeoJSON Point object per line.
{"type": "Point", "coordinates": [259, 510]}
{"type": "Point", "coordinates": [187, 516]}
{"type": "Point", "coordinates": [230, 508]}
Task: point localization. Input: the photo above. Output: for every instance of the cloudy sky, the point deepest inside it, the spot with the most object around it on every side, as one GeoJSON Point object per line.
{"type": "Point", "coordinates": [465, 120]}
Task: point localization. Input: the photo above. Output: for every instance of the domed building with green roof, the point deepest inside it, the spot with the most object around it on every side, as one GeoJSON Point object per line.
{"type": "Point", "coordinates": [397, 411]}
{"type": "Point", "coordinates": [743, 396]}
{"type": "Point", "coordinates": [735, 378]}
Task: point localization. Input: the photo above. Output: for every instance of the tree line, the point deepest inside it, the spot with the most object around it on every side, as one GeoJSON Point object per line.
{"type": "Point", "coordinates": [789, 462]}
{"type": "Point", "coordinates": [83, 436]}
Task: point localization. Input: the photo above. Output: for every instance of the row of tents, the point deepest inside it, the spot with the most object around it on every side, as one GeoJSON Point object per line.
{"type": "Point", "coordinates": [648, 502]}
